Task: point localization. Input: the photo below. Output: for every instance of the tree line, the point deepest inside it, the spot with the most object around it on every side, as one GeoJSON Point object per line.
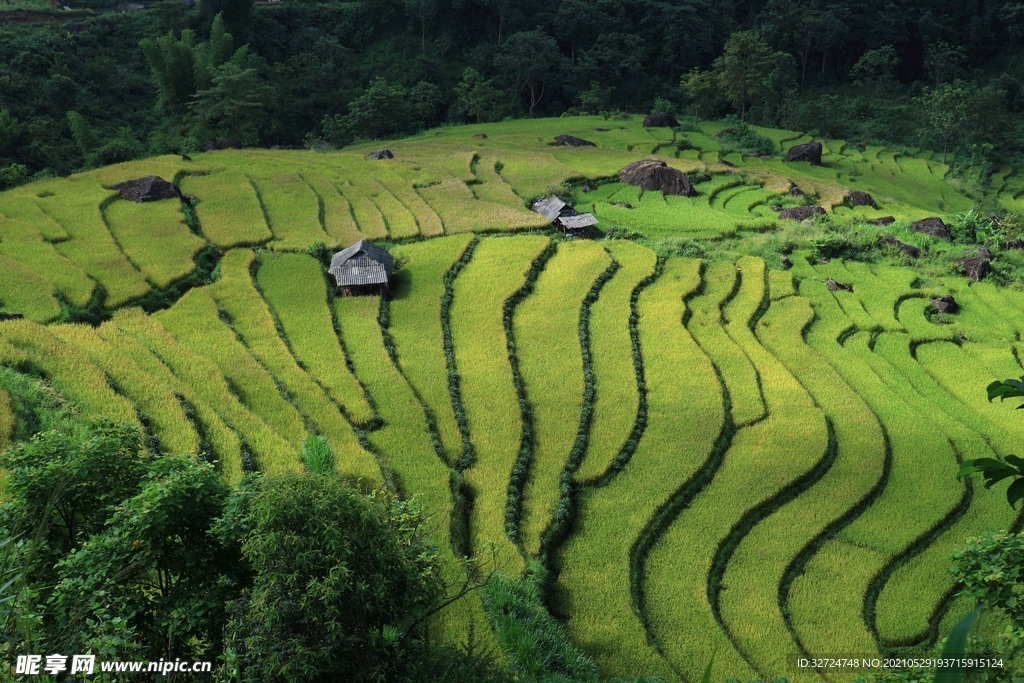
{"type": "Point", "coordinates": [171, 78]}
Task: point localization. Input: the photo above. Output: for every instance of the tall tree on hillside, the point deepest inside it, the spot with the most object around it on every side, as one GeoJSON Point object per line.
{"type": "Point", "coordinates": [422, 10]}
{"type": "Point", "coordinates": [700, 86]}
{"type": "Point", "coordinates": [948, 110]}
{"type": "Point", "coordinates": [744, 69]}
{"type": "Point", "coordinates": [232, 107]}
{"type": "Point", "coordinates": [236, 12]}
{"type": "Point", "coordinates": [531, 61]}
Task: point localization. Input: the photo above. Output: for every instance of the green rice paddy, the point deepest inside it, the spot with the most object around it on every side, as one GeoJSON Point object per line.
{"type": "Point", "coordinates": [711, 457]}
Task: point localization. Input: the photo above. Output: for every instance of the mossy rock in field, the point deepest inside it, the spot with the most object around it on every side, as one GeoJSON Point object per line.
{"type": "Point", "coordinates": [975, 267]}
{"type": "Point", "coordinates": [932, 226]}
{"type": "Point", "coordinates": [801, 213]}
{"type": "Point", "coordinates": [883, 221]}
{"type": "Point", "coordinates": [148, 189]}
{"type": "Point", "coordinates": [572, 141]}
{"type": "Point", "coordinates": [859, 198]}
{"type": "Point", "coordinates": [809, 152]}
{"type": "Point", "coordinates": [945, 304]}
{"type": "Point", "coordinates": [381, 154]}
{"type": "Point", "coordinates": [908, 249]}
{"type": "Point", "coordinates": [651, 175]}
{"type": "Point", "coordinates": [660, 121]}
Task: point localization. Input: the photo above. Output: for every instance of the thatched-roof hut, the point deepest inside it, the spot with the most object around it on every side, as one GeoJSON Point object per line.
{"type": "Point", "coordinates": [564, 216]}
{"type": "Point", "coordinates": [362, 269]}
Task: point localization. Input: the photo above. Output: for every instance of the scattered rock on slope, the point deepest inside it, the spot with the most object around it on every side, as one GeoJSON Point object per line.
{"type": "Point", "coordinates": [834, 286]}
{"type": "Point", "coordinates": [908, 249]}
{"type": "Point", "coordinates": [801, 213]}
{"type": "Point", "coordinates": [572, 141]}
{"type": "Point", "coordinates": [380, 154]}
{"type": "Point", "coordinates": [660, 121]}
{"type": "Point", "coordinates": [883, 221]}
{"type": "Point", "coordinates": [650, 174]}
{"type": "Point", "coordinates": [932, 226]}
{"type": "Point", "coordinates": [795, 191]}
{"type": "Point", "coordinates": [975, 267]}
{"type": "Point", "coordinates": [945, 304]}
{"type": "Point", "coordinates": [148, 189]}
{"type": "Point", "coordinates": [858, 198]}
{"type": "Point", "coordinates": [809, 152]}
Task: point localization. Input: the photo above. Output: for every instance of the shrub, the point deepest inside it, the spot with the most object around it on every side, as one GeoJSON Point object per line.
{"type": "Point", "coordinates": [969, 226]}
{"type": "Point", "coordinates": [745, 140]}
{"type": "Point", "coordinates": [679, 246]}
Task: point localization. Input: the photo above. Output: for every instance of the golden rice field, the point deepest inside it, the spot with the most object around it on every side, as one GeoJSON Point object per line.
{"type": "Point", "coordinates": [713, 458]}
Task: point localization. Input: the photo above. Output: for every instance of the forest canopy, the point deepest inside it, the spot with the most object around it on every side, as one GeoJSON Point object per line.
{"type": "Point", "coordinates": [107, 86]}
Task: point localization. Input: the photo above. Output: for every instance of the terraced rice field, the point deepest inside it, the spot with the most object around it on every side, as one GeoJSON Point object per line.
{"type": "Point", "coordinates": [712, 458]}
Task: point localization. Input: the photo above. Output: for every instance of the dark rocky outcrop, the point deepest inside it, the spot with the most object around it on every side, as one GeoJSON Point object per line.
{"type": "Point", "coordinates": [660, 121]}
{"type": "Point", "coordinates": [858, 198]}
{"type": "Point", "coordinates": [932, 226]}
{"type": "Point", "coordinates": [650, 174]}
{"type": "Point", "coordinates": [975, 267]}
{"type": "Point", "coordinates": [381, 154]}
{"type": "Point", "coordinates": [908, 249]}
{"type": "Point", "coordinates": [572, 141]}
{"type": "Point", "coordinates": [883, 221]}
{"type": "Point", "coordinates": [945, 304]}
{"type": "Point", "coordinates": [984, 252]}
{"type": "Point", "coordinates": [786, 263]}
{"type": "Point", "coordinates": [11, 316]}
{"type": "Point", "coordinates": [834, 286]}
{"type": "Point", "coordinates": [1014, 244]}
{"type": "Point", "coordinates": [809, 152]}
{"type": "Point", "coordinates": [149, 189]}
{"type": "Point", "coordinates": [795, 191]}
{"type": "Point", "coordinates": [801, 213]}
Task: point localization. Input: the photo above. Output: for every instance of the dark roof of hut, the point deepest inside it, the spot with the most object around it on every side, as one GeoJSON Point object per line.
{"type": "Point", "coordinates": [550, 208]}
{"type": "Point", "coordinates": [578, 221]}
{"type": "Point", "coordinates": [362, 264]}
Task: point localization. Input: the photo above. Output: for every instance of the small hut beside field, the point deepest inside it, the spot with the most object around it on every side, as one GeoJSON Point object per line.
{"type": "Point", "coordinates": [571, 221]}
{"type": "Point", "coordinates": [362, 269]}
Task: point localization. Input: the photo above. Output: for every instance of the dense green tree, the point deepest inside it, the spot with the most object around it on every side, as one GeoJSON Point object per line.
{"type": "Point", "coordinates": [744, 68]}
{"type": "Point", "coordinates": [381, 110]}
{"type": "Point", "coordinates": [700, 86]}
{"type": "Point", "coordinates": [363, 567]}
{"type": "Point", "coordinates": [876, 67]}
{"type": "Point", "coordinates": [231, 109]}
{"type": "Point", "coordinates": [477, 99]}
{"type": "Point", "coordinates": [155, 563]}
{"type": "Point", "coordinates": [531, 61]}
{"type": "Point", "coordinates": [948, 110]}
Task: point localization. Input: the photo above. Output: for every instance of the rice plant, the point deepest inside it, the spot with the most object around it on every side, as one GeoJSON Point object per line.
{"type": "Point", "coordinates": [228, 208]}
{"type": "Point", "coordinates": [415, 327]}
{"type": "Point", "coordinates": [497, 270]}
{"type": "Point", "coordinates": [547, 342]}
{"type": "Point", "coordinates": [685, 419]}
{"type": "Point", "coordinates": [150, 396]}
{"type": "Point", "coordinates": [617, 398]}
{"type": "Point", "coordinates": [155, 238]}
{"type": "Point", "coordinates": [293, 285]}
{"type": "Point", "coordinates": [293, 211]}
{"type": "Point", "coordinates": [250, 318]}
